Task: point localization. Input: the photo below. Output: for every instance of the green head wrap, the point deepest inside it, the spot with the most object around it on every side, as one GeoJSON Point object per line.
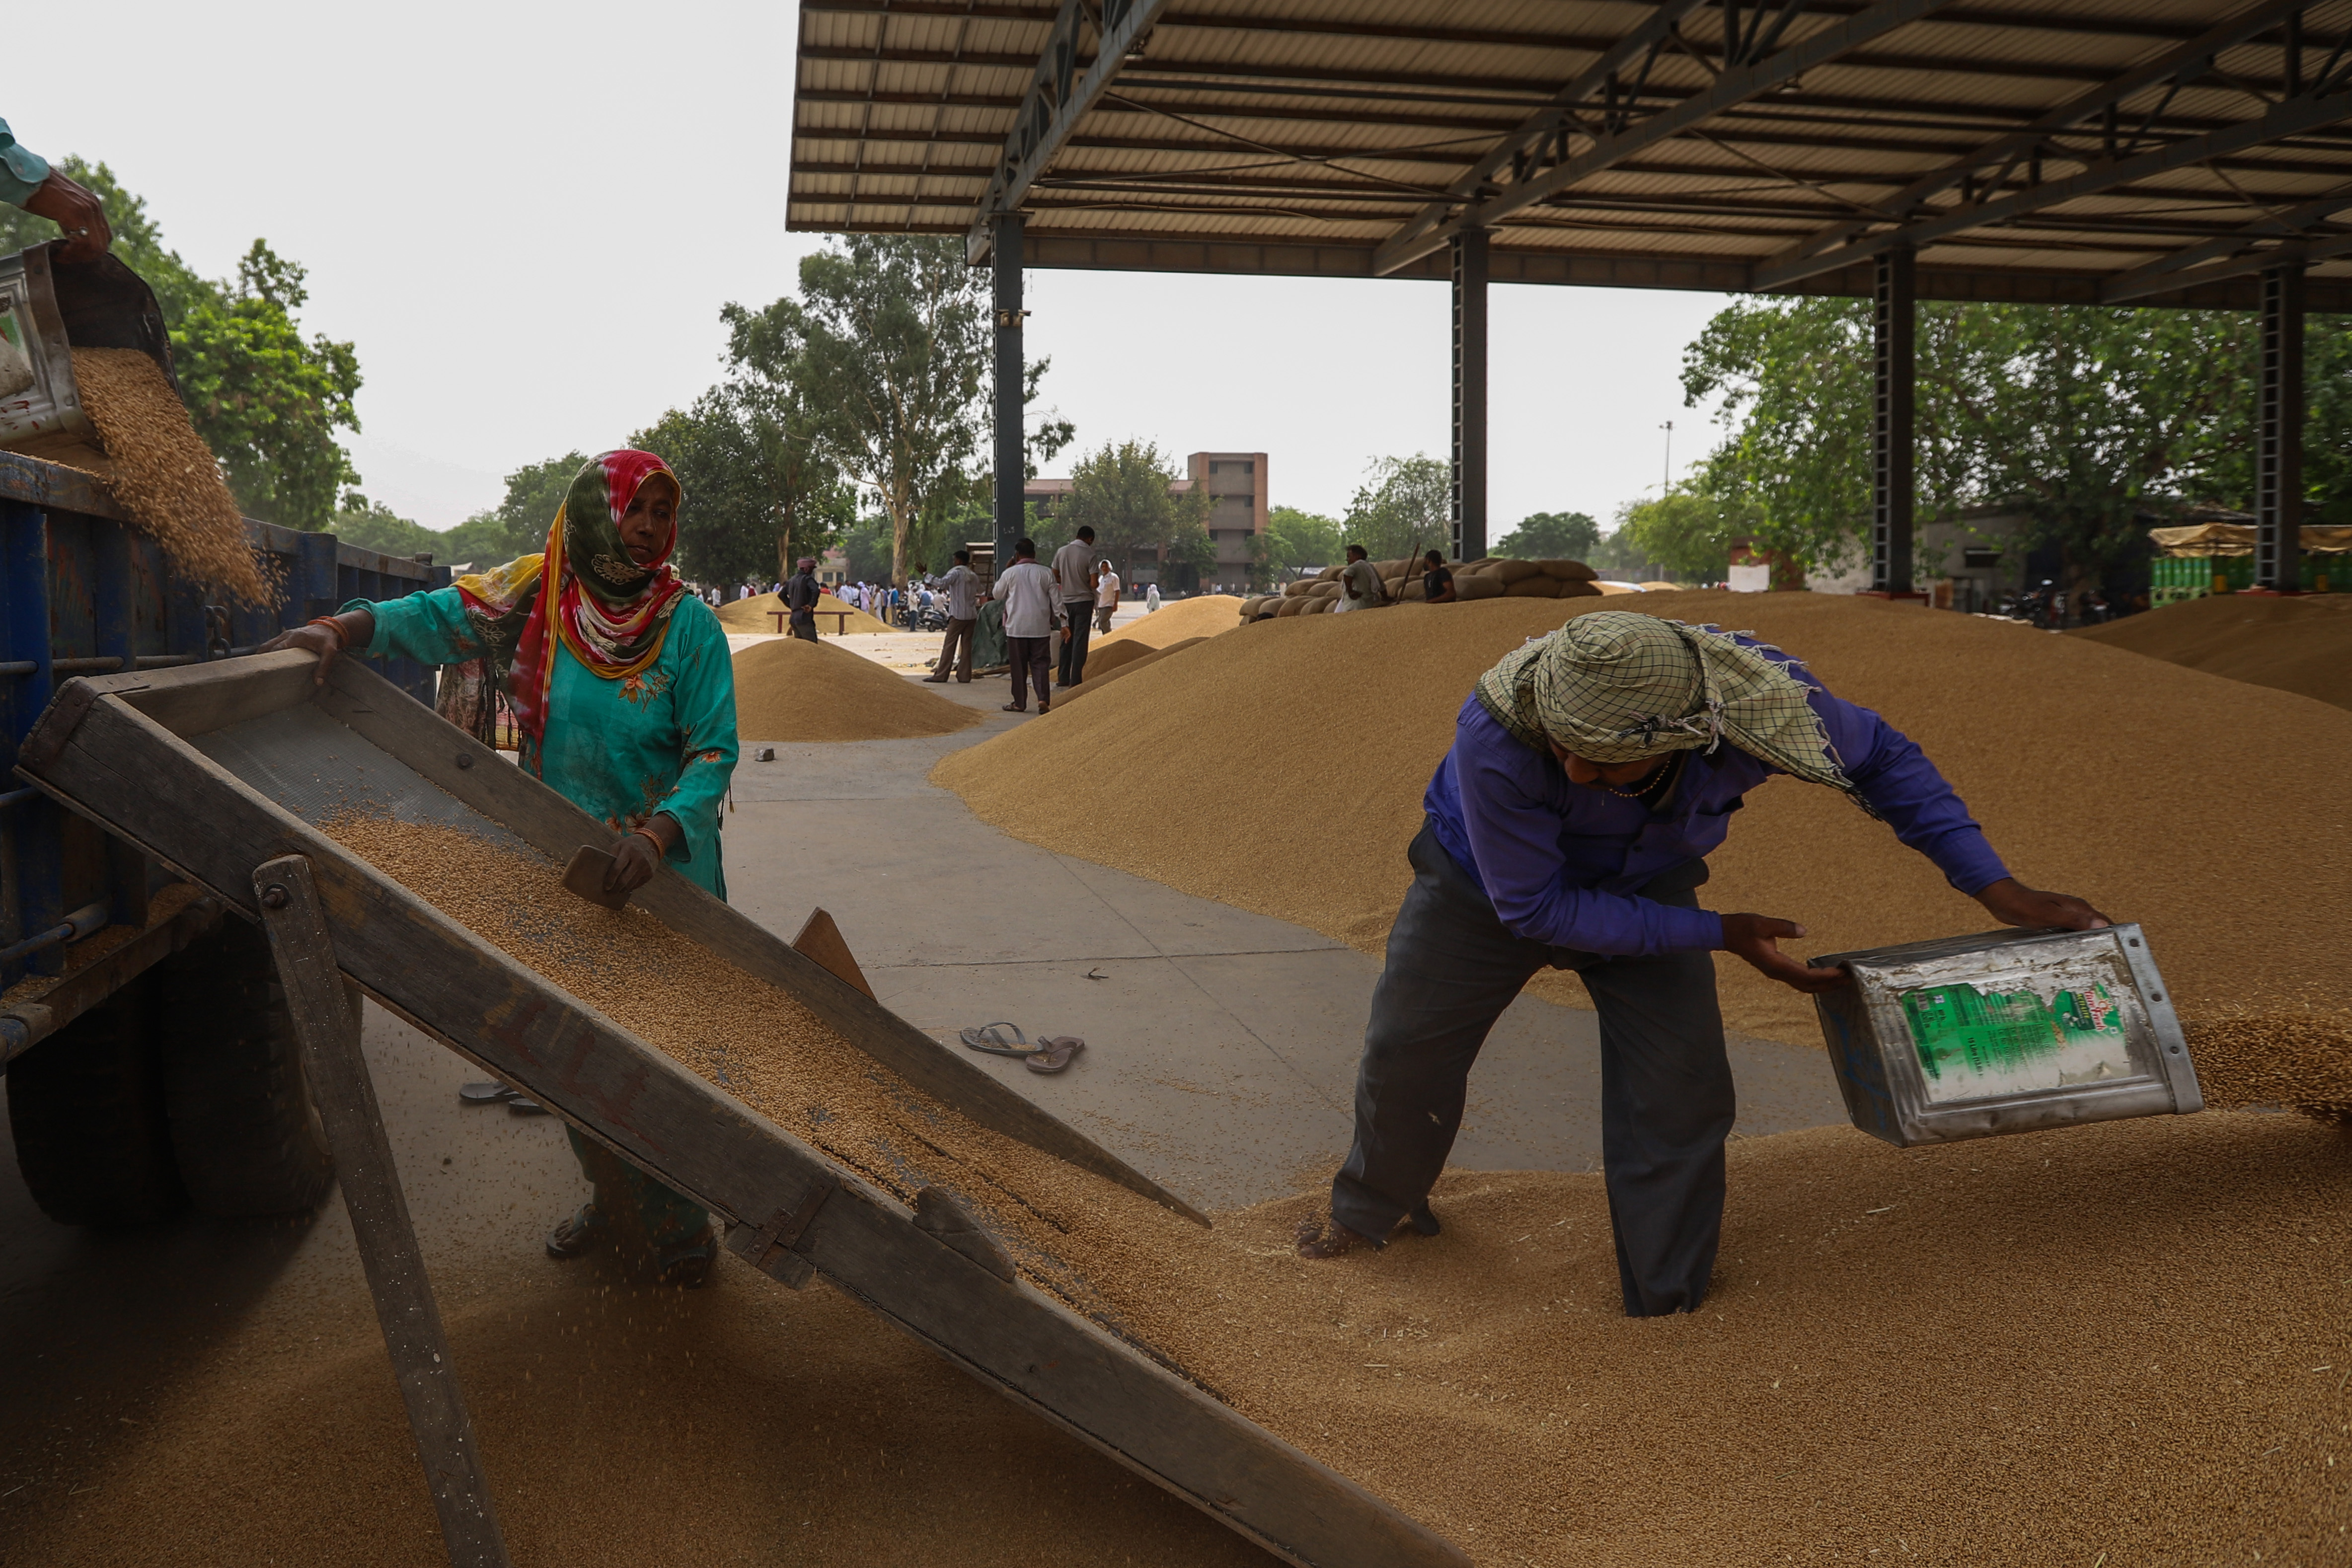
{"type": "Point", "coordinates": [1618, 687]}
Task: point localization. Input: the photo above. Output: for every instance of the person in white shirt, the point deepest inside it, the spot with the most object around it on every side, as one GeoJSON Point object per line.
{"type": "Point", "coordinates": [1150, 598]}
{"type": "Point", "coordinates": [1105, 595]}
{"type": "Point", "coordinates": [1032, 610]}
{"type": "Point", "coordinates": [1359, 583]}
{"type": "Point", "coordinates": [1074, 583]}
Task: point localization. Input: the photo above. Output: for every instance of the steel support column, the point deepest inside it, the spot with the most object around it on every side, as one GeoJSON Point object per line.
{"type": "Point", "coordinates": [1011, 475]}
{"type": "Point", "coordinates": [1894, 340]}
{"type": "Point", "coordinates": [2278, 439]}
{"type": "Point", "coordinates": [1470, 394]}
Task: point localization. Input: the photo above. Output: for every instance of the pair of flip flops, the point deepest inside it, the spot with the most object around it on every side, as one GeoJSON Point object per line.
{"type": "Point", "coordinates": [492, 1094]}
{"type": "Point", "coordinates": [1050, 1053]}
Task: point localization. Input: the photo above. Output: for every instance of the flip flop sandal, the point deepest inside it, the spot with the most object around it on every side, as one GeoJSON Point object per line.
{"type": "Point", "coordinates": [578, 1234]}
{"type": "Point", "coordinates": [1054, 1053]}
{"type": "Point", "coordinates": [521, 1106]}
{"type": "Point", "coordinates": [488, 1093]}
{"type": "Point", "coordinates": [987, 1038]}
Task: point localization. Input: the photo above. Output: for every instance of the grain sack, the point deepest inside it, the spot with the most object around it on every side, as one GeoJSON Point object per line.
{"type": "Point", "coordinates": [1567, 570]}
{"type": "Point", "coordinates": [1509, 571]}
{"type": "Point", "coordinates": [164, 475]}
{"type": "Point", "coordinates": [1318, 603]}
{"type": "Point", "coordinates": [1294, 590]}
{"type": "Point", "coordinates": [1535, 587]}
{"type": "Point", "coordinates": [1294, 604]}
{"type": "Point", "coordinates": [1468, 586]}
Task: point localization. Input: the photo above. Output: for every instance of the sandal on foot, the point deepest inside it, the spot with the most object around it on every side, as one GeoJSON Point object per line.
{"type": "Point", "coordinates": [578, 1235]}
{"type": "Point", "coordinates": [689, 1268]}
{"type": "Point", "coordinates": [486, 1093]}
{"type": "Point", "coordinates": [1053, 1052]}
{"type": "Point", "coordinates": [987, 1038]}
{"type": "Point", "coordinates": [1319, 1239]}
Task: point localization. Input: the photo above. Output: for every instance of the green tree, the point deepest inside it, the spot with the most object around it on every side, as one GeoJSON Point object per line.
{"type": "Point", "coordinates": [267, 400]}
{"type": "Point", "coordinates": [1405, 506]}
{"type": "Point", "coordinates": [758, 496]}
{"type": "Point", "coordinates": [1122, 493]}
{"type": "Point", "coordinates": [1684, 534]}
{"type": "Point", "coordinates": [1551, 535]}
{"type": "Point", "coordinates": [371, 525]}
{"type": "Point", "coordinates": [1293, 539]}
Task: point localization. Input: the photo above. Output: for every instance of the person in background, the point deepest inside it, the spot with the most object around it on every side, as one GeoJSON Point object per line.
{"type": "Point", "coordinates": [800, 597]}
{"type": "Point", "coordinates": [1437, 582]}
{"type": "Point", "coordinates": [1074, 584]}
{"type": "Point", "coordinates": [1107, 586]}
{"type": "Point", "coordinates": [962, 585]}
{"type": "Point", "coordinates": [1150, 598]}
{"type": "Point", "coordinates": [1591, 773]}
{"type": "Point", "coordinates": [1359, 583]}
{"type": "Point", "coordinates": [1031, 609]}
{"type": "Point", "coordinates": [624, 699]}
{"type": "Point", "coordinates": [27, 180]}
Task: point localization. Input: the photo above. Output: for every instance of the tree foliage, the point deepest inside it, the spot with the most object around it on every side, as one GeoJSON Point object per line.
{"type": "Point", "coordinates": [1686, 535]}
{"type": "Point", "coordinates": [2080, 417]}
{"type": "Point", "coordinates": [1122, 491]}
{"type": "Point", "coordinates": [265, 399]}
{"type": "Point", "coordinates": [1551, 535]}
{"type": "Point", "coordinates": [1405, 507]}
{"type": "Point", "coordinates": [1294, 539]}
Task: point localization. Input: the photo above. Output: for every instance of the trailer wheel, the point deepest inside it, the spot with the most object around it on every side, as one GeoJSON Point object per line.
{"type": "Point", "coordinates": [248, 1141]}
{"type": "Point", "coordinates": [86, 1109]}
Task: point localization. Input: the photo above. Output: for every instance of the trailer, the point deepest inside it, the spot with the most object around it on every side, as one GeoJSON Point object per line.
{"type": "Point", "coordinates": [150, 1063]}
{"type": "Point", "coordinates": [224, 772]}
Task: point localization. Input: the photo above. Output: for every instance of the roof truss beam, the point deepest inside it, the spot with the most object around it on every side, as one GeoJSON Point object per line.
{"type": "Point", "coordinates": [1614, 140]}
{"type": "Point", "coordinates": [1059, 96]}
{"type": "Point", "coordinates": [2313, 109]}
{"type": "Point", "coordinates": [2178, 65]}
{"type": "Point", "coordinates": [2237, 255]}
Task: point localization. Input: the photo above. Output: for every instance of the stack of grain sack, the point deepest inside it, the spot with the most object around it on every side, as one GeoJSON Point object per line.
{"type": "Point", "coordinates": [1490, 577]}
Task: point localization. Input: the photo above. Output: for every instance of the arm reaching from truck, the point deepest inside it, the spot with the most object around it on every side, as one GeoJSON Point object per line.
{"type": "Point", "coordinates": [27, 180]}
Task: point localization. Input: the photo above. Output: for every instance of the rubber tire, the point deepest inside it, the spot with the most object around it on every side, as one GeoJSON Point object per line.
{"type": "Point", "coordinates": [87, 1109]}
{"type": "Point", "coordinates": [248, 1141]}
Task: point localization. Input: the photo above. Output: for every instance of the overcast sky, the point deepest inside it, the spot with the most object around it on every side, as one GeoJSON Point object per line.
{"type": "Point", "coordinates": [527, 217]}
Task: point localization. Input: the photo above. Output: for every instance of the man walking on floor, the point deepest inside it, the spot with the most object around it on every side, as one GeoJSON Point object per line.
{"type": "Point", "coordinates": [799, 597]}
{"type": "Point", "coordinates": [1107, 586]}
{"type": "Point", "coordinates": [1074, 585]}
{"type": "Point", "coordinates": [1031, 609]}
{"type": "Point", "coordinates": [1592, 771]}
{"type": "Point", "coordinates": [962, 586]}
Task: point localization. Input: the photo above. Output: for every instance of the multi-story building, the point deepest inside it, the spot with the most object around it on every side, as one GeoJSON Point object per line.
{"type": "Point", "coordinates": [1235, 481]}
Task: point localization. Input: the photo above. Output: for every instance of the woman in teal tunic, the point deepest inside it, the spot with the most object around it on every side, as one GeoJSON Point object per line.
{"type": "Point", "coordinates": [624, 695]}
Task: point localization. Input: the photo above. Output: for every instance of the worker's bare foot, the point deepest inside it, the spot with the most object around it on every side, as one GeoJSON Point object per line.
{"type": "Point", "coordinates": [1328, 1239]}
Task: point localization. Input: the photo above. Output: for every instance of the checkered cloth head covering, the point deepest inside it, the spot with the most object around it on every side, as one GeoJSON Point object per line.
{"type": "Point", "coordinates": [1618, 687]}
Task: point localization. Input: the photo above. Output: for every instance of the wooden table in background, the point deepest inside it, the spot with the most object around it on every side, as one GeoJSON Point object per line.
{"type": "Point", "coordinates": [840, 619]}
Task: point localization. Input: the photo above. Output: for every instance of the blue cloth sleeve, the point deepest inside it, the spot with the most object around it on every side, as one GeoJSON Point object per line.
{"type": "Point", "coordinates": [22, 170]}
{"type": "Point", "coordinates": [1905, 788]}
{"type": "Point", "coordinates": [1513, 835]}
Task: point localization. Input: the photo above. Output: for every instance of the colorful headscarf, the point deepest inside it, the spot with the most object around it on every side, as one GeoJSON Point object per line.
{"type": "Point", "coordinates": [610, 612]}
{"type": "Point", "coordinates": [1618, 687]}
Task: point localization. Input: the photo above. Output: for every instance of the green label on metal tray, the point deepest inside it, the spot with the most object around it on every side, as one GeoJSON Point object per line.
{"type": "Point", "coordinates": [1973, 1043]}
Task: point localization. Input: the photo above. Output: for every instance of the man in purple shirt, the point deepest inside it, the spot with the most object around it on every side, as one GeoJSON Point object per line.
{"type": "Point", "coordinates": [1591, 773]}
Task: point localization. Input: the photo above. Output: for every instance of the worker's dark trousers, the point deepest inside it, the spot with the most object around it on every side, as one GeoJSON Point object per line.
{"type": "Point", "coordinates": [1666, 1098]}
{"type": "Point", "coordinates": [959, 636]}
{"type": "Point", "coordinates": [803, 625]}
{"type": "Point", "coordinates": [1031, 660]}
{"type": "Point", "coordinates": [1074, 651]}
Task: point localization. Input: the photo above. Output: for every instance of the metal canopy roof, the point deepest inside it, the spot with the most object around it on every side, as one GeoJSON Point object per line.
{"type": "Point", "coordinates": [2076, 151]}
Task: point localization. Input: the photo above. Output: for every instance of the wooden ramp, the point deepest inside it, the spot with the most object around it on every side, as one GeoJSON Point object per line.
{"type": "Point", "coordinates": [219, 768]}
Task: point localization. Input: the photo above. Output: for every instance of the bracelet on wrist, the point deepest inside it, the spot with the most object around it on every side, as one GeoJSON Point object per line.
{"type": "Point", "coordinates": [343, 638]}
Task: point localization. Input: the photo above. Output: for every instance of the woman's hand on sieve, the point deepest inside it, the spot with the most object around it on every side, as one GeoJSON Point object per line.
{"type": "Point", "coordinates": [358, 629]}
{"type": "Point", "coordinates": [634, 859]}
{"type": "Point", "coordinates": [1757, 938]}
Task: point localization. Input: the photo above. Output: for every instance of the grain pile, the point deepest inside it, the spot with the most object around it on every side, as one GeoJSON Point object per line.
{"type": "Point", "coordinates": [1881, 1328]}
{"type": "Point", "coordinates": [2094, 771]}
{"type": "Point", "coordinates": [757, 613]}
{"type": "Point", "coordinates": [1175, 620]}
{"type": "Point", "coordinates": [1144, 659]}
{"type": "Point", "coordinates": [1488, 577]}
{"type": "Point", "coordinates": [2299, 645]}
{"type": "Point", "coordinates": [163, 474]}
{"type": "Point", "coordinates": [786, 689]}
{"type": "Point", "coordinates": [1106, 656]}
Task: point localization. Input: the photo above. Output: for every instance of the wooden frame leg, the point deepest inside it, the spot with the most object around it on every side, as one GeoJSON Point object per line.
{"type": "Point", "coordinates": [404, 1306]}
